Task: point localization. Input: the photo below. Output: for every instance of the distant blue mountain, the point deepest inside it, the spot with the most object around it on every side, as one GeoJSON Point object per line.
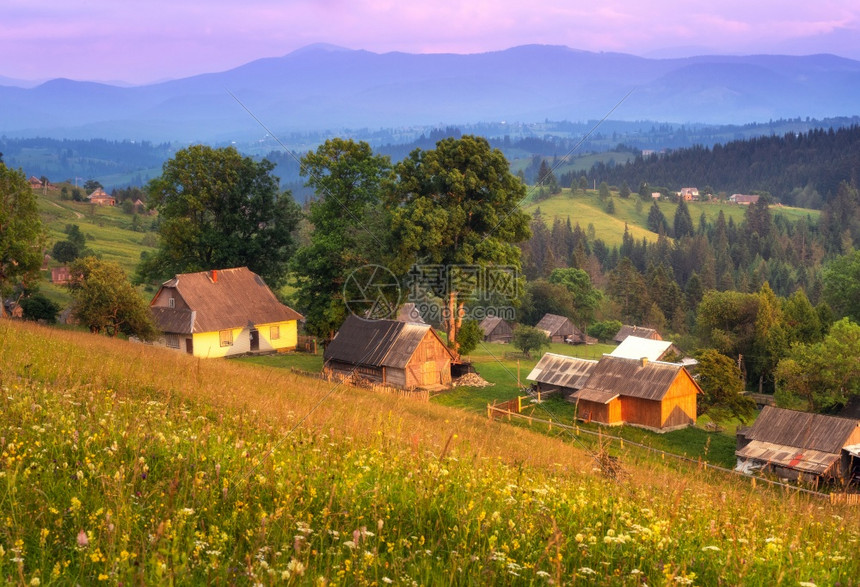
{"type": "Point", "coordinates": [327, 87]}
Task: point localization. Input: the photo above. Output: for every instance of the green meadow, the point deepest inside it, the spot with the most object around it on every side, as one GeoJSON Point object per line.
{"type": "Point", "coordinates": [213, 471]}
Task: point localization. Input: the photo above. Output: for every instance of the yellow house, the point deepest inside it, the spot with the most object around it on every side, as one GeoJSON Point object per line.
{"type": "Point", "coordinates": [223, 312]}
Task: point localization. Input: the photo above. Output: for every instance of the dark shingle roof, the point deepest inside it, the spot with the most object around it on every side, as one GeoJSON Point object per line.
{"type": "Point", "coordinates": [490, 323]}
{"type": "Point", "coordinates": [378, 343]}
{"type": "Point", "coordinates": [236, 298]}
{"type": "Point", "coordinates": [632, 378]}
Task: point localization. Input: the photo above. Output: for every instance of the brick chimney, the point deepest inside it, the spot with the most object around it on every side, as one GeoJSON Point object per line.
{"type": "Point", "coordinates": [214, 276]}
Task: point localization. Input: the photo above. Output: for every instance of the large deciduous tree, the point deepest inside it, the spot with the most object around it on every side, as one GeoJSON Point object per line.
{"type": "Point", "coordinates": [528, 339]}
{"type": "Point", "coordinates": [218, 209]}
{"type": "Point", "coordinates": [105, 301]}
{"type": "Point", "coordinates": [457, 205]}
{"type": "Point", "coordinates": [21, 235]}
{"type": "Point", "coordinates": [346, 177]}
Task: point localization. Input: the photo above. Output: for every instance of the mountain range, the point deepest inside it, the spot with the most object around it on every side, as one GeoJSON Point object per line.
{"type": "Point", "coordinates": [326, 87]}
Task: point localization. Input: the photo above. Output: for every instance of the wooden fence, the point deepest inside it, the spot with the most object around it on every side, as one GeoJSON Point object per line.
{"type": "Point", "coordinates": [845, 498]}
{"type": "Point", "coordinates": [306, 344]}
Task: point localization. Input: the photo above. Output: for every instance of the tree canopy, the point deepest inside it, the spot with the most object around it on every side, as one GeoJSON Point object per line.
{"type": "Point", "coordinates": [842, 285]}
{"type": "Point", "coordinates": [456, 206]}
{"type": "Point", "coordinates": [346, 177]}
{"type": "Point", "coordinates": [218, 209]}
{"type": "Point", "coordinates": [528, 339]}
{"type": "Point", "coordinates": [721, 380]}
{"type": "Point", "coordinates": [21, 235]}
{"type": "Point", "coordinates": [105, 301]}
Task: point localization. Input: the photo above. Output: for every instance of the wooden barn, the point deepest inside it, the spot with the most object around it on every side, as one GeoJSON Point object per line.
{"type": "Point", "coordinates": [221, 313]}
{"type": "Point", "coordinates": [651, 394]}
{"type": "Point", "coordinates": [560, 329]}
{"type": "Point", "coordinates": [399, 354]}
{"type": "Point", "coordinates": [799, 445]}
{"type": "Point", "coordinates": [496, 330]}
{"type": "Point", "coordinates": [639, 331]}
{"type": "Point", "coordinates": [561, 374]}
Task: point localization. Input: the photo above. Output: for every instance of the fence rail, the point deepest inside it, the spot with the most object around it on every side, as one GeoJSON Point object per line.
{"type": "Point", "coordinates": [498, 411]}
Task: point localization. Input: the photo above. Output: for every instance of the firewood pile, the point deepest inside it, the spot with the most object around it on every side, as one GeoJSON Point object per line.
{"type": "Point", "coordinates": [471, 380]}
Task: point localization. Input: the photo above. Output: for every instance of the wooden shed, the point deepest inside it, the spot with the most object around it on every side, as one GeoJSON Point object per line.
{"type": "Point", "coordinates": [799, 445]}
{"type": "Point", "coordinates": [399, 354]}
{"type": "Point", "coordinates": [496, 330]}
{"type": "Point", "coordinates": [560, 329]}
{"type": "Point", "coordinates": [639, 331]}
{"type": "Point", "coordinates": [561, 374]}
{"type": "Point", "coordinates": [651, 394]}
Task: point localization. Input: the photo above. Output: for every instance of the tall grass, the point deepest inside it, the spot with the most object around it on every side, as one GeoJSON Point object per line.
{"type": "Point", "coordinates": [123, 463]}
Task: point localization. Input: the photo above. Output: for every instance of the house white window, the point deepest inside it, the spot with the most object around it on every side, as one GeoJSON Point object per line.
{"type": "Point", "coordinates": [226, 337]}
{"type": "Point", "coordinates": [274, 332]}
{"type": "Point", "coordinates": [172, 340]}
{"type": "Point", "coordinates": [171, 302]}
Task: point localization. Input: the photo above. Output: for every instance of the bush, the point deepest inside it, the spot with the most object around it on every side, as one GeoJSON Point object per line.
{"type": "Point", "coordinates": [529, 338]}
{"type": "Point", "coordinates": [604, 331]}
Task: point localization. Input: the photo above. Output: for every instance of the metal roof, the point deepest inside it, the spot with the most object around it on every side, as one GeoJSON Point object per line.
{"type": "Point", "coordinates": [221, 299]}
{"type": "Point", "coordinates": [807, 460]}
{"type": "Point", "coordinates": [802, 430]}
{"type": "Point", "coordinates": [634, 347]}
{"type": "Point", "coordinates": [378, 343]}
{"type": "Point", "coordinates": [593, 395]}
{"type": "Point", "coordinates": [649, 380]}
{"type": "Point", "coordinates": [561, 370]}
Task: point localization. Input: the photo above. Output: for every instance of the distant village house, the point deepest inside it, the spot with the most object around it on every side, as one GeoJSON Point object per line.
{"type": "Point", "coordinates": [639, 331]}
{"type": "Point", "coordinates": [743, 200]}
{"type": "Point", "coordinates": [101, 198]}
{"type": "Point", "coordinates": [60, 275]}
{"type": "Point", "coordinates": [560, 329]}
{"type": "Point", "coordinates": [689, 194]}
{"type": "Point", "coordinates": [496, 329]}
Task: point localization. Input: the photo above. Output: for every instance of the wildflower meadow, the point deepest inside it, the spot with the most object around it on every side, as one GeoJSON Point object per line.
{"type": "Point", "coordinates": [125, 464]}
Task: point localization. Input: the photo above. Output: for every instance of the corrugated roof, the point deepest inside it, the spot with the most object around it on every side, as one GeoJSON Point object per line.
{"type": "Point", "coordinates": [634, 347]}
{"type": "Point", "coordinates": [236, 298]}
{"type": "Point", "coordinates": [173, 319]}
{"type": "Point", "coordinates": [561, 370]}
{"type": "Point", "coordinates": [802, 430]}
{"type": "Point", "coordinates": [630, 378]}
{"type": "Point", "coordinates": [639, 331]}
{"type": "Point", "coordinates": [378, 343]}
{"type": "Point", "coordinates": [807, 460]}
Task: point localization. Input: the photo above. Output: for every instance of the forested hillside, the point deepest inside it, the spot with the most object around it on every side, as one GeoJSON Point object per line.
{"type": "Point", "coordinates": [803, 169]}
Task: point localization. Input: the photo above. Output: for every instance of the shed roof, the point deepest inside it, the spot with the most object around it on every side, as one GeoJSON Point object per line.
{"type": "Point", "coordinates": [649, 380]}
{"type": "Point", "coordinates": [489, 324]}
{"type": "Point", "coordinates": [639, 331]}
{"type": "Point", "coordinates": [232, 299]}
{"type": "Point", "coordinates": [806, 460]}
{"type": "Point", "coordinates": [378, 343]}
{"type": "Point", "coordinates": [561, 370]}
{"type": "Point", "coordinates": [802, 430]}
{"type": "Point", "coordinates": [634, 347]}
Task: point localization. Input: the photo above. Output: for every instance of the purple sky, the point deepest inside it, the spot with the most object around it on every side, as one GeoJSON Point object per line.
{"type": "Point", "coordinates": [141, 42]}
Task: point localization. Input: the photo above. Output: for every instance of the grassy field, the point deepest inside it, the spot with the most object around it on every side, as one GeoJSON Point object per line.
{"type": "Point", "coordinates": [223, 472]}
{"type": "Point", "coordinates": [108, 231]}
{"type": "Point", "coordinates": [586, 208]}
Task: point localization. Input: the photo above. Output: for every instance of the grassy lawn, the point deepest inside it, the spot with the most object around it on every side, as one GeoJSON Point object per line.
{"type": "Point", "coordinates": [303, 361]}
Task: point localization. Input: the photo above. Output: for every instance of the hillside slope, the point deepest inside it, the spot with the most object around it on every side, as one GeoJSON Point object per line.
{"type": "Point", "coordinates": [214, 471]}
